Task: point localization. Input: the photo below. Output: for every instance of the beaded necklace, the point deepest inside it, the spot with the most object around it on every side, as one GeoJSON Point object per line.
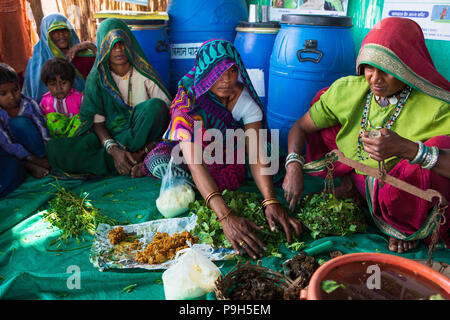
{"type": "Point", "coordinates": [386, 123]}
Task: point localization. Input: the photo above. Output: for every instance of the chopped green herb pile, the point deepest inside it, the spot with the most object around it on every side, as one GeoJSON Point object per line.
{"type": "Point", "coordinates": [244, 204]}
{"type": "Point", "coordinates": [74, 215]}
{"type": "Point", "coordinates": [334, 217]}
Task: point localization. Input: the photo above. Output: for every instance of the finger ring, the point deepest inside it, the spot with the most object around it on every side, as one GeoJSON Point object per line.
{"type": "Point", "coordinates": [241, 243]}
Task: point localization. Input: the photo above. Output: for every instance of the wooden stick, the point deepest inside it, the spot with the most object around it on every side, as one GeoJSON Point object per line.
{"type": "Point", "coordinates": [428, 194]}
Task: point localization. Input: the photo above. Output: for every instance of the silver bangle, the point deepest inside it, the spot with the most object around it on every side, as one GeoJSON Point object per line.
{"type": "Point", "coordinates": [294, 155]}
{"type": "Point", "coordinates": [431, 158]}
{"type": "Point", "coordinates": [108, 143]}
{"type": "Point", "coordinates": [427, 158]}
{"type": "Point", "coordinates": [294, 160]}
{"type": "Point", "coordinates": [419, 154]}
{"type": "Point", "coordinates": [110, 146]}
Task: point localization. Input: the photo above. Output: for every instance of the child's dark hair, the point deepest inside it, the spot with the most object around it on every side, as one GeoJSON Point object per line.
{"type": "Point", "coordinates": [57, 67]}
{"type": "Point", "coordinates": [7, 74]}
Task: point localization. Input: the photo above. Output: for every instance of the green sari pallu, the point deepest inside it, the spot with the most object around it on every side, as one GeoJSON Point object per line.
{"type": "Point", "coordinates": [133, 127]}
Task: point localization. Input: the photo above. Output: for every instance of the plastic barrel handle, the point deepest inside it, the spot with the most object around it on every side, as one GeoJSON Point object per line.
{"type": "Point", "coordinates": [161, 46]}
{"type": "Point", "coordinates": [319, 248]}
{"type": "Point", "coordinates": [310, 46]}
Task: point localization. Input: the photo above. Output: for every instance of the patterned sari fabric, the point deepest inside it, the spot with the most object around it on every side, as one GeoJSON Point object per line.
{"type": "Point", "coordinates": [45, 49]}
{"type": "Point", "coordinates": [196, 105]}
{"type": "Point", "coordinates": [396, 46]}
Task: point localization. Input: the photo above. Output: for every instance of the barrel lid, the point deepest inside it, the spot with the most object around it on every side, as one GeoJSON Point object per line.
{"type": "Point", "coordinates": [262, 25]}
{"type": "Point", "coordinates": [317, 20]}
{"type": "Point", "coordinates": [135, 17]}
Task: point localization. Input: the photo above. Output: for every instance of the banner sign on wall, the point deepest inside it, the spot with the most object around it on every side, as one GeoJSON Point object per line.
{"type": "Point", "coordinates": [323, 7]}
{"type": "Point", "coordinates": [433, 16]}
{"type": "Point", "coordinates": [138, 2]}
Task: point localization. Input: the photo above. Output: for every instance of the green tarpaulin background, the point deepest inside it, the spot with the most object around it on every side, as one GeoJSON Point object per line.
{"type": "Point", "coordinates": [28, 270]}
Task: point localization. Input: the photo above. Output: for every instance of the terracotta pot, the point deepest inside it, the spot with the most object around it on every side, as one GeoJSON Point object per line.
{"type": "Point", "coordinates": [398, 279]}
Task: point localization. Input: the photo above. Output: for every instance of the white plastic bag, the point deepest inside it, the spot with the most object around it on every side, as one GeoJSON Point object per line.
{"type": "Point", "coordinates": [175, 194]}
{"type": "Point", "coordinates": [193, 276]}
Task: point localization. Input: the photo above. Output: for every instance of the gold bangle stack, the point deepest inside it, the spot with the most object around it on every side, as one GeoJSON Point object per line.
{"type": "Point", "coordinates": [269, 201]}
{"type": "Point", "coordinates": [210, 195]}
{"type": "Point", "coordinates": [225, 215]}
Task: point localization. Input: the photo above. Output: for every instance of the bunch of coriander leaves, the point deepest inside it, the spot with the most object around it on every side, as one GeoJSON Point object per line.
{"type": "Point", "coordinates": [326, 215]}
{"type": "Point", "coordinates": [244, 204]}
{"type": "Point", "coordinates": [74, 215]}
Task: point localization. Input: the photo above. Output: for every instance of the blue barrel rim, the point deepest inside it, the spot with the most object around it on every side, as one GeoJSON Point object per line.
{"type": "Point", "coordinates": [316, 20]}
{"type": "Point", "coordinates": [265, 25]}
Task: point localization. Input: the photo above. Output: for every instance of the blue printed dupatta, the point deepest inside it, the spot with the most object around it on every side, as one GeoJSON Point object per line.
{"type": "Point", "coordinates": [195, 102]}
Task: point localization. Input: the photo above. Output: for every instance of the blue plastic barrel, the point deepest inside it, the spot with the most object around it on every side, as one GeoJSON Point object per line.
{"type": "Point", "coordinates": [150, 30]}
{"type": "Point", "coordinates": [154, 40]}
{"type": "Point", "coordinates": [310, 52]}
{"type": "Point", "coordinates": [192, 22]}
{"type": "Point", "coordinates": [254, 42]}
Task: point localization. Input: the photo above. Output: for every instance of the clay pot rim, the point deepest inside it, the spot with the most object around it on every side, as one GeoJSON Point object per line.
{"type": "Point", "coordinates": [404, 263]}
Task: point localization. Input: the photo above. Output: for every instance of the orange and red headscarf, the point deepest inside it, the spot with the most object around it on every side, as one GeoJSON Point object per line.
{"type": "Point", "coordinates": [397, 46]}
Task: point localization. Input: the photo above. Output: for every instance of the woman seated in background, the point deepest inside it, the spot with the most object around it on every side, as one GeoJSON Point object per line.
{"type": "Point", "coordinates": [217, 95]}
{"type": "Point", "coordinates": [400, 94]}
{"type": "Point", "coordinates": [124, 111]}
{"type": "Point", "coordinates": [58, 40]}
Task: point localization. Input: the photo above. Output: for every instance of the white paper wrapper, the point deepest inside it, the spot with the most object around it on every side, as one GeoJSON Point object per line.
{"type": "Point", "coordinates": [104, 255]}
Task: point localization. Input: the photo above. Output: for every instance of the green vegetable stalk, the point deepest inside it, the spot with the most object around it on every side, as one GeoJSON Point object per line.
{"type": "Point", "coordinates": [74, 215]}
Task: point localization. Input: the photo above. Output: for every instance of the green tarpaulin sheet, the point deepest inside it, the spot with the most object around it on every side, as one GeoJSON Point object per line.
{"type": "Point", "coordinates": [29, 269]}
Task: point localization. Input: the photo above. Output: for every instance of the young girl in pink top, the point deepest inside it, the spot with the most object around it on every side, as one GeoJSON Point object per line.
{"type": "Point", "coordinates": [61, 104]}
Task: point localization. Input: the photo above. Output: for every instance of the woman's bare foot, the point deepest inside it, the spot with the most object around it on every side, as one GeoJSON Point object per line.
{"type": "Point", "coordinates": [401, 246]}
{"type": "Point", "coordinates": [36, 171]}
{"type": "Point", "coordinates": [136, 170]}
{"type": "Point", "coordinates": [140, 155]}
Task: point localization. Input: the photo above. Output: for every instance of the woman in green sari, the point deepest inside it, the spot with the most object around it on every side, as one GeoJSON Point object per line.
{"type": "Point", "coordinates": [125, 109]}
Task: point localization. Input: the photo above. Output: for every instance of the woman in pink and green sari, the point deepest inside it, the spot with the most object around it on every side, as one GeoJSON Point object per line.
{"type": "Point", "coordinates": [399, 93]}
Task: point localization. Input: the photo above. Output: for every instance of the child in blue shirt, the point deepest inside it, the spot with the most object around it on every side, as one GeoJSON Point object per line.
{"type": "Point", "coordinates": [23, 133]}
